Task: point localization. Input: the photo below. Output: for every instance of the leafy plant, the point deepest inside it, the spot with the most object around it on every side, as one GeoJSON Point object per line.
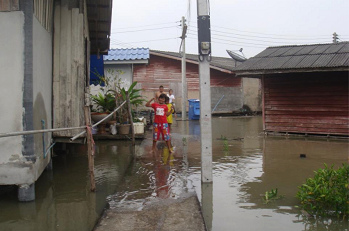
{"type": "Point", "coordinates": [136, 99]}
{"type": "Point", "coordinates": [112, 95]}
{"type": "Point", "coordinates": [225, 145]}
{"type": "Point", "coordinates": [326, 194]}
{"type": "Point", "coordinates": [184, 140]}
{"type": "Point", "coordinates": [104, 102]}
{"type": "Point", "coordinates": [271, 195]}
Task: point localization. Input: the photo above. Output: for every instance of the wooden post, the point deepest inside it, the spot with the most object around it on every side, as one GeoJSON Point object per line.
{"type": "Point", "coordinates": [131, 119]}
{"type": "Point", "coordinates": [263, 102]}
{"type": "Point", "coordinates": [91, 161]}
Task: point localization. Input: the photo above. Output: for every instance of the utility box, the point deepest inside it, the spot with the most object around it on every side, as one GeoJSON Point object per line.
{"type": "Point", "coordinates": [194, 109]}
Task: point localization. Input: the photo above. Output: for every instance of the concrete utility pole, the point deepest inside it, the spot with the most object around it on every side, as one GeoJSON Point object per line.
{"type": "Point", "coordinates": [204, 42]}
{"type": "Point", "coordinates": [335, 37]}
{"type": "Point", "coordinates": [184, 71]}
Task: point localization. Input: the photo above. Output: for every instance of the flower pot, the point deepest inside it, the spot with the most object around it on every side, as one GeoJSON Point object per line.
{"type": "Point", "coordinates": [124, 129]}
{"type": "Point", "coordinates": [96, 117]}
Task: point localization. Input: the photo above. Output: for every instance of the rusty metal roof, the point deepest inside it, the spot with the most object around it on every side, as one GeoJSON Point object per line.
{"type": "Point", "coordinates": [219, 63]}
{"type": "Point", "coordinates": [99, 14]}
{"type": "Point", "coordinates": [285, 59]}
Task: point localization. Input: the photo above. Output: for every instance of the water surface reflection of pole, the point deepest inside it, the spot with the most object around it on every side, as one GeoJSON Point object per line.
{"type": "Point", "coordinates": [207, 204]}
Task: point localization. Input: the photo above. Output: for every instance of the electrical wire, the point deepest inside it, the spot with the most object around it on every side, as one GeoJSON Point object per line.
{"type": "Point", "coordinates": [233, 43]}
{"type": "Point", "coordinates": [131, 31]}
{"type": "Point", "coordinates": [165, 23]}
{"type": "Point", "coordinates": [153, 40]}
{"type": "Point", "coordinates": [279, 35]}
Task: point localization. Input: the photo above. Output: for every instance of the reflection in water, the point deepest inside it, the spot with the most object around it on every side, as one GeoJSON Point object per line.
{"type": "Point", "coordinates": [207, 204]}
{"type": "Point", "coordinates": [255, 164]}
{"type": "Point", "coordinates": [246, 164]}
{"type": "Point", "coordinates": [63, 197]}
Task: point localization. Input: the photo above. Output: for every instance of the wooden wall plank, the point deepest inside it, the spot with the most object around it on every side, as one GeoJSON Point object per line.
{"type": "Point", "coordinates": [82, 74]}
{"type": "Point", "coordinates": [14, 5]}
{"type": "Point", "coordinates": [64, 115]}
{"type": "Point", "coordinates": [5, 5]}
{"type": "Point", "coordinates": [307, 104]}
{"type": "Point", "coordinates": [56, 69]}
{"type": "Point", "coordinates": [165, 71]}
{"type": "Point", "coordinates": [74, 109]}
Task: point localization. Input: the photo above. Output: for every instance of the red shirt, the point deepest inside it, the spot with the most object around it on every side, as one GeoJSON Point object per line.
{"type": "Point", "coordinates": [160, 112]}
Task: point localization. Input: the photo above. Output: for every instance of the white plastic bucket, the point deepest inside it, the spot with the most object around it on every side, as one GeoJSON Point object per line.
{"type": "Point", "coordinates": [138, 127]}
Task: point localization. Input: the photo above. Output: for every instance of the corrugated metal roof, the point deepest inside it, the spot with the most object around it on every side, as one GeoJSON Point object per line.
{"type": "Point", "coordinates": [219, 62]}
{"type": "Point", "coordinates": [127, 54]}
{"type": "Point", "coordinates": [286, 58]}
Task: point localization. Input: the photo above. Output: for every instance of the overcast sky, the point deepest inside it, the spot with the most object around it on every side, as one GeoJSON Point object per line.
{"type": "Point", "coordinates": [249, 24]}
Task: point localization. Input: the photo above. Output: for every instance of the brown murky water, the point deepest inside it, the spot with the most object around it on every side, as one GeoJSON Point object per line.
{"type": "Point", "coordinates": [246, 165]}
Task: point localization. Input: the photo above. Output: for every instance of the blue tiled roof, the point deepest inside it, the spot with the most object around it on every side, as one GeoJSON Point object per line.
{"type": "Point", "coordinates": [127, 54]}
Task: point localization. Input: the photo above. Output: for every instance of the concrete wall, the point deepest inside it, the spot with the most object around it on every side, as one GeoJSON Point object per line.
{"type": "Point", "coordinates": [252, 91]}
{"type": "Point", "coordinates": [42, 91]}
{"type": "Point", "coordinates": [11, 88]}
{"type": "Point", "coordinates": [231, 102]}
{"type": "Point", "coordinates": [14, 169]}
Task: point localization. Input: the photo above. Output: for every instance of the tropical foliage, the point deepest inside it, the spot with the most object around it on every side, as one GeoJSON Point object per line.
{"type": "Point", "coordinates": [104, 102]}
{"type": "Point", "coordinates": [112, 94]}
{"type": "Point", "coordinates": [327, 194]}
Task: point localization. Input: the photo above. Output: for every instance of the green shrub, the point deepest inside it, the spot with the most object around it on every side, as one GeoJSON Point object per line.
{"type": "Point", "coordinates": [326, 194]}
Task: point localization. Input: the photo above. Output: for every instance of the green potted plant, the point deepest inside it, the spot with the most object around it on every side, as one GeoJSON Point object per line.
{"type": "Point", "coordinates": [136, 99]}
{"type": "Point", "coordinates": [104, 101]}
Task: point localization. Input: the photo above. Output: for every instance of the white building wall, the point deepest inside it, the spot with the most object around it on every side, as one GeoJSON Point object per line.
{"type": "Point", "coordinates": [11, 87]}
{"type": "Point", "coordinates": [14, 168]}
{"type": "Point", "coordinates": [123, 71]}
{"type": "Point", "coordinates": [115, 72]}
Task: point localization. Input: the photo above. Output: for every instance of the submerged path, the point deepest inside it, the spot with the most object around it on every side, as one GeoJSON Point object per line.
{"type": "Point", "coordinates": [170, 202]}
{"type": "Point", "coordinates": [173, 214]}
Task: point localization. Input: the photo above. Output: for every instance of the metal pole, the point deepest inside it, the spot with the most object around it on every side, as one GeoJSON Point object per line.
{"type": "Point", "coordinates": [184, 71]}
{"type": "Point", "coordinates": [204, 37]}
{"type": "Point", "coordinates": [38, 131]}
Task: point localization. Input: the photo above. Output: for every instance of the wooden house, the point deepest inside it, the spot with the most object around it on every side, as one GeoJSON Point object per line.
{"type": "Point", "coordinates": [304, 88]}
{"type": "Point", "coordinates": [229, 93]}
{"type": "Point", "coordinates": [45, 48]}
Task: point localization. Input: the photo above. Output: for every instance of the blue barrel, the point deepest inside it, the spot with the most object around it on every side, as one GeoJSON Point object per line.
{"type": "Point", "coordinates": [194, 109]}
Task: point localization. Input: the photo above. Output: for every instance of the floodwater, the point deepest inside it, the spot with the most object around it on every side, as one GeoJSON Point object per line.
{"type": "Point", "coordinates": [246, 164]}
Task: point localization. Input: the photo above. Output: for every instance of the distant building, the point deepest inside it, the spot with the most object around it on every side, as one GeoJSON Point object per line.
{"type": "Point", "coordinates": [151, 68]}
{"type": "Point", "coordinates": [304, 88]}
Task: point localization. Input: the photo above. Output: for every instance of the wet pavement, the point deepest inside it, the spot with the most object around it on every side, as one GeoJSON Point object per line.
{"type": "Point", "coordinates": [246, 164]}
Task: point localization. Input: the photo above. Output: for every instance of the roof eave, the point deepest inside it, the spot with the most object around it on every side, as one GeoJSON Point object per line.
{"type": "Point", "coordinates": [110, 62]}
{"type": "Point", "coordinates": [256, 73]}
{"type": "Point", "coordinates": [99, 19]}
{"type": "Point", "coordinates": [190, 61]}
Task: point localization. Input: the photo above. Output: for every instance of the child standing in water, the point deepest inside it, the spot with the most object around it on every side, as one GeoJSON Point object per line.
{"type": "Point", "coordinates": [172, 101]}
{"type": "Point", "coordinates": [160, 125]}
{"type": "Point", "coordinates": [171, 96]}
{"type": "Point", "coordinates": [169, 117]}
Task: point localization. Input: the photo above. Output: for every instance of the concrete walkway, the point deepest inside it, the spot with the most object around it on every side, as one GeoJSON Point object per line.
{"type": "Point", "coordinates": [179, 214]}
{"type": "Point", "coordinates": [163, 212]}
